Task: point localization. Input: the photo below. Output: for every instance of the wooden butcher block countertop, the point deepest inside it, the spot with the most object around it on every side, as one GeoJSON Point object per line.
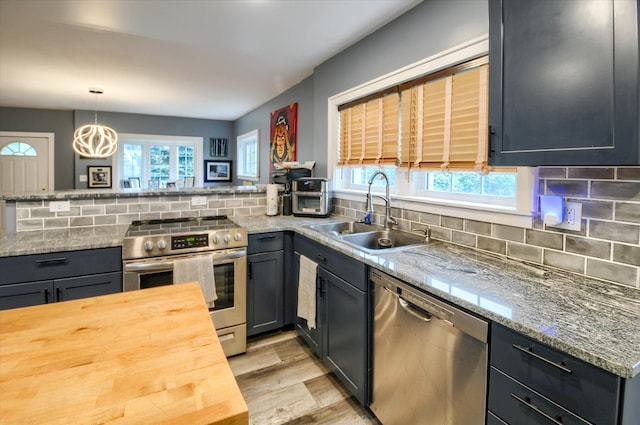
{"type": "Point", "coordinates": [141, 357]}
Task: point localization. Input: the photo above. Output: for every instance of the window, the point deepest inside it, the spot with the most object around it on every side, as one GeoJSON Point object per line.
{"type": "Point", "coordinates": [441, 142]}
{"type": "Point", "coordinates": [19, 149]}
{"type": "Point", "coordinates": [158, 159]}
{"type": "Point", "coordinates": [248, 154]}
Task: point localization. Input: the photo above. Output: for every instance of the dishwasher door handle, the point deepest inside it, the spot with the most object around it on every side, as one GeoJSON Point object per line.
{"type": "Point", "coordinates": [408, 307]}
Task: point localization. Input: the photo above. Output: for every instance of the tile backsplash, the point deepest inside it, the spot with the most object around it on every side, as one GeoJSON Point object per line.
{"type": "Point", "coordinates": [35, 215]}
{"type": "Point", "coordinates": [607, 246]}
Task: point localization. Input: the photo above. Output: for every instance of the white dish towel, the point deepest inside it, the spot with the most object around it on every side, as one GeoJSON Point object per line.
{"type": "Point", "coordinates": [197, 269]}
{"type": "Point", "coordinates": [307, 291]}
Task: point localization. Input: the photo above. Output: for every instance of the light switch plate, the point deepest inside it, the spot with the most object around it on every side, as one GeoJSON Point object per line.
{"type": "Point", "coordinates": [198, 201]}
{"type": "Point", "coordinates": [59, 206]}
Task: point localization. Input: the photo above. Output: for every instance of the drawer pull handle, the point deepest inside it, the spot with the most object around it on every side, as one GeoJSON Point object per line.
{"type": "Point", "coordinates": [262, 238]}
{"type": "Point", "coordinates": [321, 258]}
{"type": "Point", "coordinates": [527, 402]}
{"type": "Point", "coordinates": [52, 260]}
{"type": "Point", "coordinates": [530, 352]}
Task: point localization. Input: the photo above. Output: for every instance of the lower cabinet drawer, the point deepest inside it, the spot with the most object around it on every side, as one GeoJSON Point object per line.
{"type": "Point", "coordinates": [517, 404]}
{"type": "Point", "coordinates": [57, 265]}
{"type": "Point", "coordinates": [585, 389]}
{"type": "Point", "coordinates": [265, 242]}
{"type": "Point", "coordinates": [353, 271]}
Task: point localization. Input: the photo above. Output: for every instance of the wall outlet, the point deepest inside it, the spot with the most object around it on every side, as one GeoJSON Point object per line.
{"type": "Point", "coordinates": [572, 217]}
{"type": "Point", "coordinates": [59, 206]}
{"type": "Point", "coordinates": [198, 201]}
{"type": "Point", "coordinates": [83, 178]}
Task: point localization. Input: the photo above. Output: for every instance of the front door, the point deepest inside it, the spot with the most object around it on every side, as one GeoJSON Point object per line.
{"type": "Point", "coordinates": [25, 165]}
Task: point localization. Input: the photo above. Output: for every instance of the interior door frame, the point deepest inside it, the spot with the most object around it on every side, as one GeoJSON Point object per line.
{"type": "Point", "coordinates": [51, 150]}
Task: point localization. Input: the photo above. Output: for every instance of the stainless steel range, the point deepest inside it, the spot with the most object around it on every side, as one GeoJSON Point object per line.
{"type": "Point", "coordinates": [152, 248]}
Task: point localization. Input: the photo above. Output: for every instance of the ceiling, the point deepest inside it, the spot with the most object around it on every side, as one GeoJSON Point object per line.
{"type": "Point", "coordinates": [214, 59]}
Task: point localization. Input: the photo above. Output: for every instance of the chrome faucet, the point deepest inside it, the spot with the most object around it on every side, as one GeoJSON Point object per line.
{"type": "Point", "coordinates": [388, 220]}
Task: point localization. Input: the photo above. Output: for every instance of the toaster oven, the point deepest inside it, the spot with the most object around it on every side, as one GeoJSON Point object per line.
{"type": "Point", "coordinates": [310, 197]}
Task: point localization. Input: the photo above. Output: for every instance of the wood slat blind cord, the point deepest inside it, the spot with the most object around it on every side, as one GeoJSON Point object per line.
{"type": "Point", "coordinates": [483, 134]}
{"type": "Point", "coordinates": [446, 148]}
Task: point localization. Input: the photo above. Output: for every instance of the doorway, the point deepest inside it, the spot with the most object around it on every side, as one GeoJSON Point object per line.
{"type": "Point", "coordinates": [26, 162]}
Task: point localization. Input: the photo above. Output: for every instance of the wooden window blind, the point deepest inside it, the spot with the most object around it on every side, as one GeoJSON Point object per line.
{"type": "Point", "coordinates": [445, 122]}
{"type": "Point", "coordinates": [369, 132]}
{"type": "Point", "coordinates": [438, 121]}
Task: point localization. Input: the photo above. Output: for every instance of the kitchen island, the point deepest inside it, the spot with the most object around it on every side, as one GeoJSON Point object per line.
{"type": "Point", "coordinates": [143, 357]}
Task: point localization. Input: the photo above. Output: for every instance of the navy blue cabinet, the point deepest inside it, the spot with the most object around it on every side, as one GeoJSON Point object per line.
{"type": "Point", "coordinates": [62, 276]}
{"type": "Point", "coordinates": [563, 82]}
{"type": "Point", "coordinates": [265, 283]}
{"type": "Point", "coordinates": [531, 383]}
{"type": "Point", "coordinates": [341, 336]}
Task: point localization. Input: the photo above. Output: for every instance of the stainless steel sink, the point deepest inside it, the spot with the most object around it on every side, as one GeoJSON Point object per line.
{"type": "Point", "coordinates": [369, 237]}
{"type": "Point", "coordinates": [384, 240]}
{"type": "Point", "coordinates": [344, 228]}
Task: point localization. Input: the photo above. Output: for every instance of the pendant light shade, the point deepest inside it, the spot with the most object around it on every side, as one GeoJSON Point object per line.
{"type": "Point", "coordinates": [94, 140]}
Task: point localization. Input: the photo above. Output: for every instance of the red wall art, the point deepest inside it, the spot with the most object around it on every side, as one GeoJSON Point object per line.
{"type": "Point", "coordinates": [284, 125]}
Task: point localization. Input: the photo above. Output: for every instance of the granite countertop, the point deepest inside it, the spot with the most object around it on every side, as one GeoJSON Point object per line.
{"type": "Point", "coordinates": [592, 320]}
{"type": "Point", "coordinates": [72, 239]}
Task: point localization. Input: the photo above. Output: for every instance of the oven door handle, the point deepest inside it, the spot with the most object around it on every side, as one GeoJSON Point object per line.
{"type": "Point", "coordinates": [228, 255]}
{"type": "Point", "coordinates": [218, 258]}
{"type": "Point", "coordinates": [145, 267]}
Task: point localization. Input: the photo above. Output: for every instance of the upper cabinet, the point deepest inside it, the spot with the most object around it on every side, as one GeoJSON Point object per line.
{"type": "Point", "coordinates": [563, 86]}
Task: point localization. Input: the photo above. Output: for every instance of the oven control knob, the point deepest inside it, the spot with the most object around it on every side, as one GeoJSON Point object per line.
{"type": "Point", "coordinates": [162, 244]}
{"type": "Point", "coordinates": [216, 240]}
{"type": "Point", "coordinates": [227, 238]}
{"type": "Point", "coordinates": [148, 246]}
{"type": "Point", "coordinates": [237, 237]}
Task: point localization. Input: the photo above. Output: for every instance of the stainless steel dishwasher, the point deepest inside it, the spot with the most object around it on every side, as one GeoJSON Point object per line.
{"type": "Point", "coordinates": [429, 358]}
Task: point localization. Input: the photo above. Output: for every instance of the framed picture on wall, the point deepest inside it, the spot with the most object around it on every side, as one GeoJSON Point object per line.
{"type": "Point", "coordinates": [218, 147]}
{"type": "Point", "coordinates": [217, 171]}
{"type": "Point", "coordinates": [99, 177]}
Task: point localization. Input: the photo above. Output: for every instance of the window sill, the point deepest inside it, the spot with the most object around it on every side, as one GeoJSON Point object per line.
{"type": "Point", "coordinates": [500, 215]}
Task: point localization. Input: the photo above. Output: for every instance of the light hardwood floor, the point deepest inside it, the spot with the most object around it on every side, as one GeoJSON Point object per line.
{"type": "Point", "coordinates": [283, 382]}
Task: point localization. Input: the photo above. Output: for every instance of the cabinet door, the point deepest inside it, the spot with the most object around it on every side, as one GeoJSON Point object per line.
{"type": "Point", "coordinates": [290, 281]}
{"type": "Point", "coordinates": [88, 286]}
{"type": "Point", "coordinates": [345, 344]}
{"type": "Point", "coordinates": [313, 337]}
{"type": "Point", "coordinates": [563, 82]}
{"type": "Point", "coordinates": [265, 292]}
{"type": "Point", "coordinates": [26, 294]}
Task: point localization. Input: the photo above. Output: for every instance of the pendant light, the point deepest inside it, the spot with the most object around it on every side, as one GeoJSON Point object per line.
{"type": "Point", "coordinates": [94, 140]}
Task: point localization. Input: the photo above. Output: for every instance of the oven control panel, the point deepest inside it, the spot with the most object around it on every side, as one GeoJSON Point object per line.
{"type": "Point", "coordinates": [189, 241]}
